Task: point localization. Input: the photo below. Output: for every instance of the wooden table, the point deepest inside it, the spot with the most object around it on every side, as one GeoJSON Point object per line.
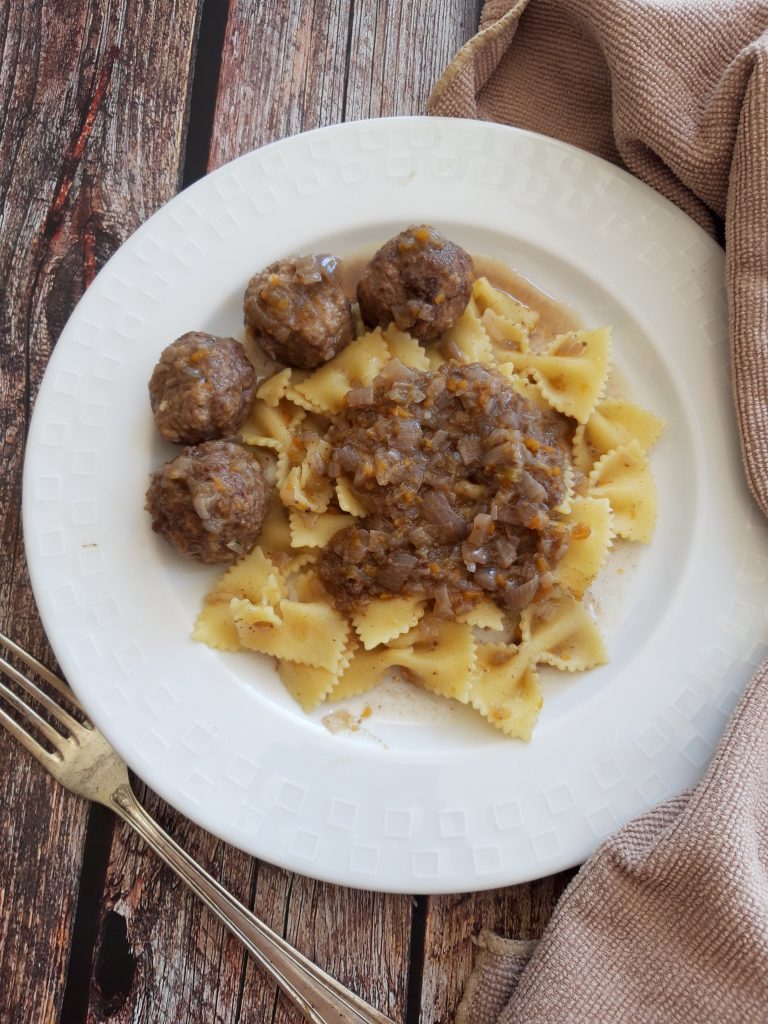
{"type": "Point", "coordinates": [108, 107]}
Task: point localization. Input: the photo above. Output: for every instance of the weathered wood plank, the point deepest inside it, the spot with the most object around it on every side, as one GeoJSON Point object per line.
{"type": "Point", "coordinates": [289, 67]}
{"type": "Point", "coordinates": [161, 956]}
{"type": "Point", "coordinates": [283, 71]}
{"type": "Point", "coordinates": [518, 912]}
{"type": "Point", "coordinates": [92, 114]}
{"type": "Point", "coordinates": [398, 49]}
{"type": "Point", "coordinates": [361, 938]}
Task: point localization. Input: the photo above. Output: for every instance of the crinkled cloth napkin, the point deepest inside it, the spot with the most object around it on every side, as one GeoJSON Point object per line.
{"type": "Point", "coordinates": [667, 923]}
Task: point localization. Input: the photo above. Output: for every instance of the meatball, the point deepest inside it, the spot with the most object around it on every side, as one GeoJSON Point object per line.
{"type": "Point", "coordinates": [298, 311]}
{"type": "Point", "coordinates": [209, 501]}
{"type": "Point", "coordinates": [201, 388]}
{"type": "Point", "coordinates": [419, 280]}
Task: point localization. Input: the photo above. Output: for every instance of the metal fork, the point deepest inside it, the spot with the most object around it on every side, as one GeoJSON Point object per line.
{"type": "Point", "coordinates": [83, 761]}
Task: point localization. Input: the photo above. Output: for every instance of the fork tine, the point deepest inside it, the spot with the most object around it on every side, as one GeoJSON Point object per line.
{"type": "Point", "coordinates": [54, 737]}
{"type": "Point", "coordinates": [45, 673]}
{"type": "Point", "coordinates": [28, 741]}
{"type": "Point", "coordinates": [61, 715]}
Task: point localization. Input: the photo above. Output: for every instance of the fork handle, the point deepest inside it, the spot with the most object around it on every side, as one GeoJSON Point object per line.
{"type": "Point", "coordinates": [320, 998]}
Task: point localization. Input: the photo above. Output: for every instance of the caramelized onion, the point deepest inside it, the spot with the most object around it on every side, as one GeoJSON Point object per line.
{"type": "Point", "coordinates": [359, 396]}
{"type": "Point", "coordinates": [396, 572]}
{"type": "Point", "coordinates": [530, 488]}
{"type": "Point", "coordinates": [436, 509]}
{"type": "Point", "coordinates": [517, 598]}
{"type": "Point", "coordinates": [459, 501]}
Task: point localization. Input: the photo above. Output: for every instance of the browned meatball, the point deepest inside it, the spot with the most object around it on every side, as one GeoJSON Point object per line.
{"type": "Point", "coordinates": [201, 389]}
{"type": "Point", "coordinates": [209, 501]}
{"type": "Point", "coordinates": [418, 280]}
{"type": "Point", "coordinates": [298, 311]}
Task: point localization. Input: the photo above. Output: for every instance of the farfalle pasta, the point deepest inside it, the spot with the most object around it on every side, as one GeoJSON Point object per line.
{"type": "Point", "coordinates": [485, 646]}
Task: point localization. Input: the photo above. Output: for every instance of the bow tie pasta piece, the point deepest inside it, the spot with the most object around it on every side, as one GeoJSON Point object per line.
{"type": "Point", "coordinates": [302, 449]}
{"type": "Point", "coordinates": [271, 426]}
{"type": "Point", "coordinates": [466, 341]}
{"type": "Point", "coordinates": [405, 348]}
{"type": "Point", "coordinates": [354, 366]}
{"type": "Point", "coordinates": [383, 620]}
{"type": "Point", "coordinates": [273, 389]}
{"type": "Point", "coordinates": [562, 634]}
{"type": "Point", "coordinates": [442, 660]}
{"type": "Point", "coordinates": [527, 388]}
{"type": "Point", "coordinates": [614, 423]}
{"type": "Point", "coordinates": [306, 486]}
{"type": "Point", "coordinates": [348, 501]}
{"type": "Point", "coordinates": [571, 372]}
{"type": "Point", "coordinates": [310, 632]}
{"type": "Point", "coordinates": [506, 337]}
{"type": "Point", "coordinates": [215, 626]}
{"type": "Point", "coordinates": [364, 670]}
{"type": "Point", "coordinates": [282, 467]}
{"type": "Point", "coordinates": [484, 615]}
{"type": "Point", "coordinates": [590, 525]}
{"type": "Point", "coordinates": [306, 684]}
{"type": "Point", "coordinates": [255, 578]}
{"type": "Point", "coordinates": [275, 536]}
{"type": "Point", "coordinates": [486, 297]}
{"type": "Point", "coordinates": [505, 688]}
{"type": "Point", "coordinates": [314, 530]}
{"type": "Point", "coordinates": [435, 357]}
{"type": "Point", "coordinates": [301, 582]}
{"type": "Point", "coordinates": [623, 476]}
{"type": "Point", "coordinates": [569, 480]}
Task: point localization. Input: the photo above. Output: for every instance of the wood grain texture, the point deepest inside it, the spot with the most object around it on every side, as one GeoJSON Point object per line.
{"type": "Point", "coordinates": [398, 49]}
{"type": "Point", "coordinates": [283, 71]}
{"type": "Point", "coordinates": [289, 66]}
{"type": "Point", "coordinates": [161, 956]}
{"type": "Point", "coordinates": [92, 134]}
{"type": "Point", "coordinates": [517, 912]}
{"type": "Point", "coordinates": [361, 938]}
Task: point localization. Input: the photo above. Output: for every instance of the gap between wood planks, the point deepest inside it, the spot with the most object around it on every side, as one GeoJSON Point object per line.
{"type": "Point", "coordinates": [416, 960]}
{"type": "Point", "coordinates": [205, 86]}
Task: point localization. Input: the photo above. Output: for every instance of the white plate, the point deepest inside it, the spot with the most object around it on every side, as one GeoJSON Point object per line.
{"type": "Point", "coordinates": [417, 801]}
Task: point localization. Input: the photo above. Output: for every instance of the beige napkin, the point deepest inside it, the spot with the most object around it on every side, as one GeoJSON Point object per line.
{"type": "Point", "coordinates": [667, 923]}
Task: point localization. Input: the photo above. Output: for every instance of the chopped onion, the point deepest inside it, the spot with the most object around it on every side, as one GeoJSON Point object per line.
{"type": "Point", "coordinates": [437, 510]}
{"type": "Point", "coordinates": [443, 607]}
{"type": "Point", "coordinates": [483, 528]}
{"type": "Point", "coordinates": [396, 572]}
{"type": "Point", "coordinates": [531, 488]}
{"type": "Point", "coordinates": [359, 396]}
{"type": "Point", "coordinates": [485, 577]}
{"type": "Point", "coordinates": [517, 598]}
{"type": "Point", "coordinates": [506, 454]}
{"type": "Point", "coordinates": [469, 449]}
